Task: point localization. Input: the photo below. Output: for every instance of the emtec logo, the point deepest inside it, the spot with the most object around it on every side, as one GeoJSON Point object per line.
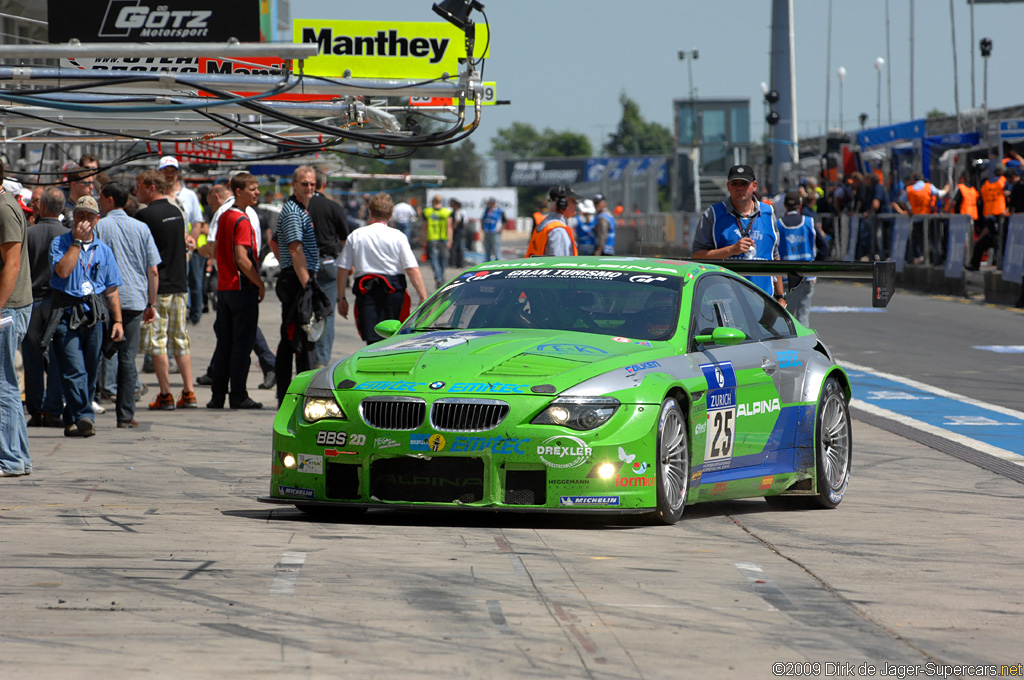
{"type": "Point", "coordinates": [132, 18]}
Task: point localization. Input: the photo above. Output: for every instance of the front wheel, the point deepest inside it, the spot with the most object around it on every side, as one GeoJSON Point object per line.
{"type": "Point", "coordinates": [673, 463]}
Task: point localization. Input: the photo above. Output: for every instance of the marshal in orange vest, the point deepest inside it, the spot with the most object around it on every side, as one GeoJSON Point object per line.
{"type": "Point", "coordinates": [539, 239]}
{"type": "Point", "coordinates": [968, 200]}
{"type": "Point", "coordinates": [993, 197]}
{"type": "Point", "coordinates": [920, 200]}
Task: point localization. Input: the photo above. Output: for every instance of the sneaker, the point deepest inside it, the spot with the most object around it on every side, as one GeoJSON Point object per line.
{"type": "Point", "coordinates": [205, 379]}
{"type": "Point", "coordinates": [187, 400]}
{"type": "Point", "coordinates": [163, 402]}
{"type": "Point", "coordinates": [86, 428]}
{"type": "Point", "coordinates": [247, 404]}
{"type": "Point", "coordinates": [97, 409]}
{"type": "Point", "coordinates": [269, 380]}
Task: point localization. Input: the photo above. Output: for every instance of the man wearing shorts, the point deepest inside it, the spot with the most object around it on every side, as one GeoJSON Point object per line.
{"type": "Point", "coordinates": [167, 223]}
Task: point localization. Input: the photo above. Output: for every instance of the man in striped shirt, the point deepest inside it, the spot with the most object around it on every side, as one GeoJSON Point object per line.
{"type": "Point", "coordinates": [299, 258]}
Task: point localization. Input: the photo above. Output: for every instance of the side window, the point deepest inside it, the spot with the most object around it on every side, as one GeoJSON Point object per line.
{"type": "Point", "coordinates": [718, 301]}
{"type": "Point", "coordinates": [769, 322]}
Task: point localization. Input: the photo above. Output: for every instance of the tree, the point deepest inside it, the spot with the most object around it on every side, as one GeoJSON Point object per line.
{"type": "Point", "coordinates": [936, 113]}
{"type": "Point", "coordinates": [636, 136]}
{"type": "Point", "coordinates": [522, 140]}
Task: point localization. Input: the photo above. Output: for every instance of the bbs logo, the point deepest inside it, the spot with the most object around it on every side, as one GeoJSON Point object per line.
{"type": "Point", "coordinates": [339, 439]}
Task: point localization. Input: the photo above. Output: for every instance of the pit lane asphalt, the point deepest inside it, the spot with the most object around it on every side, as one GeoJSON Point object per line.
{"type": "Point", "coordinates": [144, 554]}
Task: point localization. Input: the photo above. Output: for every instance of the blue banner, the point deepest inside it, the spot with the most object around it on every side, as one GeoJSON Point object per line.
{"type": "Point", "coordinates": [938, 143]}
{"type": "Point", "coordinates": [959, 231]}
{"type": "Point", "coordinates": [594, 168]}
{"type": "Point", "coordinates": [900, 234]}
{"type": "Point", "coordinates": [890, 134]}
{"type": "Point", "coordinates": [1013, 257]}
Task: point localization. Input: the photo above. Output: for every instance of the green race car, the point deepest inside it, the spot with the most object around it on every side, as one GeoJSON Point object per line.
{"type": "Point", "coordinates": [607, 385]}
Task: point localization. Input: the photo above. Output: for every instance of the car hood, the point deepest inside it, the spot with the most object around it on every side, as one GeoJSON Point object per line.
{"type": "Point", "coordinates": [489, 362]}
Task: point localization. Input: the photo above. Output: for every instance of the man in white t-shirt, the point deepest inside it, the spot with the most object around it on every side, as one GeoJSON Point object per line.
{"type": "Point", "coordinates": [402, 218]}
{"type": "Point", "coordinates": [380, 260]}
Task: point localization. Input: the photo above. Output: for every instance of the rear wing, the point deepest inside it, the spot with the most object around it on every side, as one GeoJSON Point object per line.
{"type": "Point", "coordinates": [881, 274]}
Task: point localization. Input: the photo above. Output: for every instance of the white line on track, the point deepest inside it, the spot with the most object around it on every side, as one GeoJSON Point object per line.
{"type": "Point", "coordinates": [286, 573]}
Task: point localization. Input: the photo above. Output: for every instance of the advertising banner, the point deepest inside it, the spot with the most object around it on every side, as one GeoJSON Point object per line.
{"type": "Point", "coordinates": [204, 152]}
{"type": "Point", "coordinates": [959, 228]}
{"type": "Point", "coordinates": [385, 49]}
{"type": "Point", "coordinates": [544, 173]}
{"type": "Point", "coordinates": [152, 21]}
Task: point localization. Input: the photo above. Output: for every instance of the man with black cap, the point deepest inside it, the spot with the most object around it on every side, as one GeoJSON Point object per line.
{"type": "Point", "coordinates": [553, 235]}
{"type": "Point", "coordinates": [741, 228]}
{"type": "Point", "coordinates": [604, 232]}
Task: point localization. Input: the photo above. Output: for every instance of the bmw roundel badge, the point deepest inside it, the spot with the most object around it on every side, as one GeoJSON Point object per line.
{"type": "Point", "coordinates": [436, 385]}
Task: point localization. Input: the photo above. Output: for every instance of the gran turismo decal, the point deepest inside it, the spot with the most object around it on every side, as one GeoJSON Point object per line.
{"type": "Point", "coordinates": [588, 500]}
{"type": "Point", "coordinates": [427, 442]}
{"type": "Point", "coordinates": [479, 276]}
{"type": "Point", "coordinates": [563, 274]}
{"type": "Point", "coordinates": [311, 465]}
{"type": "Point", "coordinates": [497, 445]}
{"type": "Point", "coordinates": [440, 340]}
{"type": "Point", "coordinates": [643, 278]}
{"type": "Point", "coordinates": [564, 451]}
{"type": "Point", "coordinates": [294, 491]}
{"type": "Point", "coordinates": [569, 349]}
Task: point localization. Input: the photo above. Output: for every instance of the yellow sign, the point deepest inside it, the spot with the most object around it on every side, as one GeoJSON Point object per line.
{"type": "Point", "coordinates": [385, 49]}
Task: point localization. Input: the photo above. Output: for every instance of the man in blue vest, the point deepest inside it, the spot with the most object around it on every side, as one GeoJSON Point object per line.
{"type": "Point", "coordinates": [493, 221]}
{"type": "Point", "coordinates": [797, 243]}
{"type": "Point", "coordinates": [604, 232]}
{"type": "Point", "coordinates": [741, 228]}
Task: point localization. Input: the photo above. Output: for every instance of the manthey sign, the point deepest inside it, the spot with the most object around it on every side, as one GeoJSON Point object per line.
{"type": "Point", "coordinates": [152, 21]}
{"type": "Point", "coordinates": [385, 49]}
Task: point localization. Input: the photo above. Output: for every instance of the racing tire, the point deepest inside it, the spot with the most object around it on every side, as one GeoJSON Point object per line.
{"type": "Point", "coordinates": [833, 446]}
{"type": "Point", "coordinates": [672, 464]}
{"type": "Point", "coordinates": [340, 514]}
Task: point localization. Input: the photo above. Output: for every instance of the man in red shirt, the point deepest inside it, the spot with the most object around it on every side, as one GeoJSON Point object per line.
{"type": "Point", "coordinates": [239, 292]}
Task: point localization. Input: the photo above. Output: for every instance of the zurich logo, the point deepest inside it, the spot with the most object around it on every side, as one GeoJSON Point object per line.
{"type": "Point", "coordinates": [719, 377]}
{"type": "Point", "coordinates": [436, 385]}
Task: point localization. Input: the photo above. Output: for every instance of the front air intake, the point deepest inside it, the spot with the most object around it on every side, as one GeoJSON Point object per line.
{"type": "Point", "coordinates": [393, 413]}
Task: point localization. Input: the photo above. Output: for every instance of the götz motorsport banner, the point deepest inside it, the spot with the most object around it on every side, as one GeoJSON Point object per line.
{"type": "Point", "coordinates": [153, 21]}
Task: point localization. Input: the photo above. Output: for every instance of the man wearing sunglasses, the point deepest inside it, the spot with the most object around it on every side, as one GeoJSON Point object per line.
{"type": "Point", "coordinates": [741, 228]}
{"type": "Point", "coordinates": [80, 183]}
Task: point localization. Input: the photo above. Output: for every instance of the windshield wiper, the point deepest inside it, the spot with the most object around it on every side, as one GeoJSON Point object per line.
{"type": "Point", "coordinates": [433, 328]}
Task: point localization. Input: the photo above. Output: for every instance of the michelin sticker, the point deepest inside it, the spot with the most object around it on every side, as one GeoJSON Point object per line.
{"type": "Point", "coordinates": [294, 491]}
{"type": "Point", "coordinates": [588, 500]}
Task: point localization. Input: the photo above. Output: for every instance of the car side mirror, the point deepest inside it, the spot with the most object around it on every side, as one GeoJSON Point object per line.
{"type": "Point", "coordinates": [722, 336]}
{"type": "Point", "coordinates": [388, 327]}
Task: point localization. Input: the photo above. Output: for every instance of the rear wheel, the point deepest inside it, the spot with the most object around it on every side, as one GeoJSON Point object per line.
{"type": "Point", "coordinates": [833, 444]}
{"type": "Point", "coordinates": [673, 463]}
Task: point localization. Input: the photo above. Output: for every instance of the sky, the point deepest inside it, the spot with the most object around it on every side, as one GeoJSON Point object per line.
{"type": "Point", "coordinates": [564, 63]}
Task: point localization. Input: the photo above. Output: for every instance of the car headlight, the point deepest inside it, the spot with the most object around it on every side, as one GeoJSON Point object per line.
{"type": "Point", "coordinates": [578, 413]}
{"type": "Point", "coordinates": [321, 404]}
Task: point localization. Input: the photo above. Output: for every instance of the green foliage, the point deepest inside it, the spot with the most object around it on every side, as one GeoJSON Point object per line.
{"type": "Point", "coordinates": [936, 113]}
{"type": "Point", "coordinates": [522, 140]}
{"type": "Point", "coordinates": [636, 136]}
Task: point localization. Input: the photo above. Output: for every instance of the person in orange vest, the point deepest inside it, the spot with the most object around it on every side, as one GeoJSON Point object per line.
{"type": "Point", "coordinates": [553, 236]}
{"type": "Point", "coordinates": [993, 210]}
{"type": "Point", "coordinates": [921, 199]}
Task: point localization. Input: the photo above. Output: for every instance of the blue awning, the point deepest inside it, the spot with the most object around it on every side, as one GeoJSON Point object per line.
{"type": "Point", "coordinates": [889, 134]}
{"type": "Point", "coordinates": [938, 143]}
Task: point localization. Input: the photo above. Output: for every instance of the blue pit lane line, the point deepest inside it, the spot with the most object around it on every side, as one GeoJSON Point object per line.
{"type": "Point", "coordinates": [987, 428]}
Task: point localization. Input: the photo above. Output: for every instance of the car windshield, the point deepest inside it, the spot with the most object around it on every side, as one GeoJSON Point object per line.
{"type": "Point", "coordinates": [614, 303]}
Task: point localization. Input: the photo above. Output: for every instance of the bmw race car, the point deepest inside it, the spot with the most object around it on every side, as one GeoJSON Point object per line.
{"type": "Point", "coordinates": [609, 385]}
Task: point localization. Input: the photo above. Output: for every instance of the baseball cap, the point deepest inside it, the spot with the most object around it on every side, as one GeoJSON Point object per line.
{"type": "Point", "coordinates": [87, 204]}
{"type": "Point", "coordinates": [555, 192]}
{"type": "Point", "coordinates": [24, 198]}
{"type": "Point", "coordinates": [793, 198]}
{"type": "Point", "coordinates": [598, 198]}
{"type": "Point", "coordinates": [587, 206]}
{"type": "Point", "coordinates": [168, 162]}
{"type": "Point", "coordinates": [744, 172]}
